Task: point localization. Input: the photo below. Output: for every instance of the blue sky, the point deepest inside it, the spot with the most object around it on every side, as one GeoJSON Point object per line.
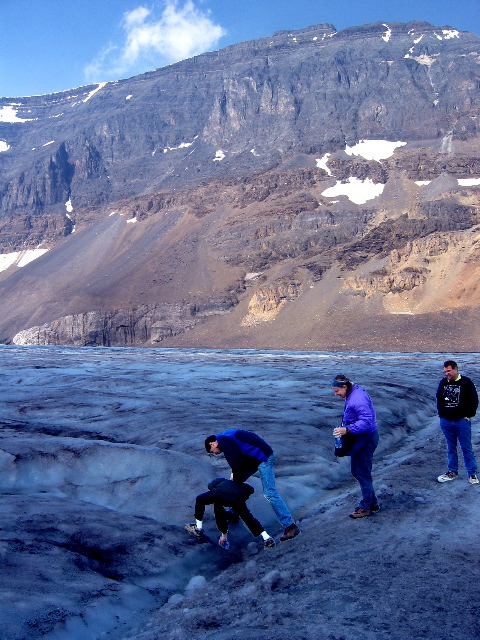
{"type": "Point", "coordinates": [53, 45]}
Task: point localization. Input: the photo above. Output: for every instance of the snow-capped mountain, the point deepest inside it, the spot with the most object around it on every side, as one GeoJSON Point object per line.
{"type": "Point", "coordinates": [311, 174]}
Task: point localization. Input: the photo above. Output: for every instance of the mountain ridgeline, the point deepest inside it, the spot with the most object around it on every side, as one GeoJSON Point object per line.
{"type": "Point", "coordinates": [310, 190]}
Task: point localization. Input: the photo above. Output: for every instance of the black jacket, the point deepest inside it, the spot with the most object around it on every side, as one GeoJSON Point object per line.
{"type": "Point", "coordinates": [457, 399]}
{"type": "Point", "coordinates": [230, 490]}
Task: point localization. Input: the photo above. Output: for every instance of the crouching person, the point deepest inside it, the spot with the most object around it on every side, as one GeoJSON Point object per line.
{"type": "Point", "coordinates": [227, 493]}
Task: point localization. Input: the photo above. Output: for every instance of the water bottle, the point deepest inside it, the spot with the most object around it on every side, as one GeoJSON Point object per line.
{"type": "Point", "coordinates": [338, 442]}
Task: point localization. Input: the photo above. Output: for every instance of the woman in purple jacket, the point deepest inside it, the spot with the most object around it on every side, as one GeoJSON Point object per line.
{"type": "Point", "coordinates": [360, 423]}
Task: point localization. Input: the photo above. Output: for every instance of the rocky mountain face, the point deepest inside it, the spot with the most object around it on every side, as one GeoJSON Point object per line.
{"type": "Point", "coordinates": [311, 190]}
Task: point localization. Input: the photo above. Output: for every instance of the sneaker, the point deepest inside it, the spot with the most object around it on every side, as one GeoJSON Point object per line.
{"type": "Point", "coordinates": [290, 532]}
{"type": "Point", "coordinates": [446, 477]}
{"type": "Point", "coordinates": [374, 508]}
{"type": "Point", "coordinates": [225, 544]}
{"type": "Point", "coordinates": [473, 479]}
{"type": "Point", "coordinates": [358, 512]}
{"type": "Point", "coordinates": [192, 529]}
{"type": "Point", "coordinates": [269, 543]}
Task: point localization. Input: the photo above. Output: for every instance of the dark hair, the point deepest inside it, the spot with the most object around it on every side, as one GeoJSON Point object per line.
{"type": "Point", "coordinates": [208, 440]}
{"type": "Point", "coordinates": [342, 381]}
{"type": "Point", "coordinates": [450, 363]}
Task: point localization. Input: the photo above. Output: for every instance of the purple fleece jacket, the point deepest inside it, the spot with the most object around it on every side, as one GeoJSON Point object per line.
{"type": "Point", "coordinates": [359, 414]}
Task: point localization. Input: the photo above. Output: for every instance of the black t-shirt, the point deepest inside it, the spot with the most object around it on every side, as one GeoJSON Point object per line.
{"type": "Point", "coordinates": [457, 399]}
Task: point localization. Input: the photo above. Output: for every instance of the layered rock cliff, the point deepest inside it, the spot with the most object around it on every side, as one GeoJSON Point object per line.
{"type": "Point", "coordinates": [252, 197]}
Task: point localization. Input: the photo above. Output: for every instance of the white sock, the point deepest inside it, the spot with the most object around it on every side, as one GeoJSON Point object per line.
{"type": "Point", "coordinates": [199, 524]}
{"type": "Point", "coordinates": [265, 535]}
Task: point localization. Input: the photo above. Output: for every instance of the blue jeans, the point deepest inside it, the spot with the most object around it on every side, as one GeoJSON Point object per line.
{"type": "Point", "coordinates": [270, 492]}
{"type": "Point", "coordinates": [461, 431]}
{"type": "Point", "coordinates": [361, 467]}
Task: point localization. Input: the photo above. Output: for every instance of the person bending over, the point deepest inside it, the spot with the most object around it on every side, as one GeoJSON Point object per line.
{"type": "Point", "coordinates": [227, 493]}
{"type": "Point", "coordinates": [247, 453]}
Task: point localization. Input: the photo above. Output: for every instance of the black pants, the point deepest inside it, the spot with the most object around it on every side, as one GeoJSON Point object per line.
{"type": "Point", "coordinates": [220, 515]}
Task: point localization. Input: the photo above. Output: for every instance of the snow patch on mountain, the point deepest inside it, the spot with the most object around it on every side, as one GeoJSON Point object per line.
{"type": "Point", "coordinates": [462, 182]}
{"type": "Point", "coordinates": [422, 59]}
{"type": "Point", "coordinates": [387, 34]}
{"type": "Point", "coordinates": [374, 149]}
{"type": "Point", "coordinates": [8, 113]}
{"type": "Point", "coordinates": [356, 190]}
{"type": "Point", "coordinates": [468, 182]}
{"type": "Point", "coordinates": [19, 258]}
{"type": "Point", "coordinates": [447, 34]}
{"type": "Point", "coordinates": [92, 93]}
{"type": "Point", "coordinates": [182, 145]}
{"type": "Point", "coordinates": [322, 163]}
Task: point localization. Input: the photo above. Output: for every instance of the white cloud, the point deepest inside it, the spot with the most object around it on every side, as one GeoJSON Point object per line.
{"type": "Point", "coordinates": [180, 32]}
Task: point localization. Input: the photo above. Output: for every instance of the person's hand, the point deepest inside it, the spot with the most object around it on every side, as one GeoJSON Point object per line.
{"type": "Point", "coordinates": [222, 540]}
{"type": "Point", "coordinates": [339, 431]}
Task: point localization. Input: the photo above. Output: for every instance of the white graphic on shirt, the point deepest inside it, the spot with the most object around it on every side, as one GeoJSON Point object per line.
{"type": "Point", "coordinates": [451, 394]}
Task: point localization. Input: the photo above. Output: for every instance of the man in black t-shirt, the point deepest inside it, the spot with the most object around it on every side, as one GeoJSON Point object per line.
{"type": "Point", "coordinates": [457, 403]}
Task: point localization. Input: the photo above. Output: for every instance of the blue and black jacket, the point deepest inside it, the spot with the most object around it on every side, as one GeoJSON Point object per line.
{"type": "Point", "coordinates": [244, 452]}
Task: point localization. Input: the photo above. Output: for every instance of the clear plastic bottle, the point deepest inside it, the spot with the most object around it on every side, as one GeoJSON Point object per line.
{"type": "Point", "coordinates": [338, 442]}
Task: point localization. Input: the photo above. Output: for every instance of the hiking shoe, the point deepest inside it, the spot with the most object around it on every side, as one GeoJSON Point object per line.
{"type": "Point", "coordinates": [446, 477]}
{"type": "Point", "coordinates": [192, 529]}
{"type": "Point", "coordinates": [473, 479]}
{"type": "Point", "coordinates": [374, 508]}
{"type": "Point", "coordinates": [358, 512]}
{"type": "Point", "coordinates": [290, 532]}
{"type": "Point", "coordinates": [269, 543]}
